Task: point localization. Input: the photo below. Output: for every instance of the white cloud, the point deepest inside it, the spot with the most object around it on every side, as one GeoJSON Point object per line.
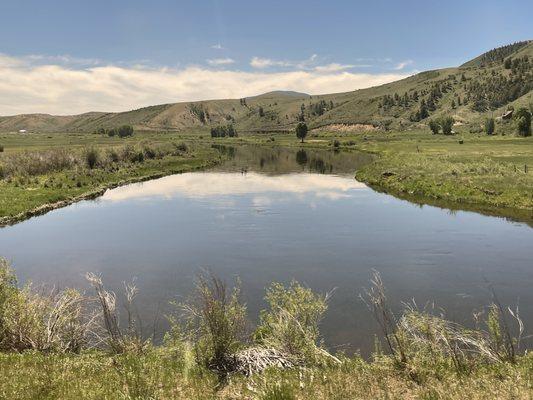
{"type": "Point", "coordinates": [217, 46]}
{"type": "Point", "coordinates": [61, 89]}
{"type": "Point", "coordinates": [220, 61]}
{"type": "Point", "coordinates": [401, 65]}
{"type": "Point", "coordinates": [333, 67]}
{"type": "Point", "coordinates": [261, 63]}
{"type": "Point", "coordinates": [258, 62]}
{"type": "Point", "coordinates": [216, 184]}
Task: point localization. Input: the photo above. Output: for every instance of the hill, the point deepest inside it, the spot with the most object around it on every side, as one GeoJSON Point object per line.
{"type": "Point", "coordinates": [488, 84]}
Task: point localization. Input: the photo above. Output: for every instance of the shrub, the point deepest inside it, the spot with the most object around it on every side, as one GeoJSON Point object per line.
{"type": "Point", "coordinates": [336, 144]}
{"type": "Point", "coordinates": [489, 126]}
{"type": "Point", "coordinates": [291, 323]}
{"type": "Point", "coordinates": [149, 152]}
{"type": "Point", "coordinates": [523, 121]}
{"type": "Point", "coordinates": [117, 340]}
{"type": "Point", "coordinates": [181, 147]}
{"type": "Point", "coordinates": [434, 126]}
{"type": "Point", "coordinates": [217, 320]}
{"type": "Point", "coordinates": [32, 321]}
{"type": "Point", "coordinates": [223, 131]}
{"type": "Point", "coordinates": [125, 130]}
{"type": "Point", "coordinates": [91, 157]}
{"type": "Point", "coordinates": [1, 148]}
{"type": "Point", "coordinates": [447, 125]}
{"type": "Point", "coordinates": [113, 155]}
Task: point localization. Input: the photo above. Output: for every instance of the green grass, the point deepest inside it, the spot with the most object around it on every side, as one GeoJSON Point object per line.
{"type": "Point", "coordinates": [484, 173]}
{"type": "Point", "coordinates": [158, 374]}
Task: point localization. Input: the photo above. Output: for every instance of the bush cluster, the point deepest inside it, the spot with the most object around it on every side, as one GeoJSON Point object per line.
{"type": "Point", "coordinates": [121, 131]}
{"type": "Point", "coordinates": [223, 131]}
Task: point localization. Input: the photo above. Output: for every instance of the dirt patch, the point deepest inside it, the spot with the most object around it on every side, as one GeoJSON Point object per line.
{"type": "Point", "coordinates": [347, 128]}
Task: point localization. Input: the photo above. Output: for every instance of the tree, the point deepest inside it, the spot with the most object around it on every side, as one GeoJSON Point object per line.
{"type": "Point", "coordinates": [447, 125]}
{"type": "Point", "coordinates": [523, 121]}
{"type": "Point", "coordinates": [125, 130]}
{"type": "Point", "coordinates": [434, 126]}
{"type": "Point", "coordinates": [423, 111]}
{"type": "Point", "coordinates": [489, 126]}
{"type": "Point", "coordinates": [261, 112]}
{"type": "Point", "coordinates": [301, 131]}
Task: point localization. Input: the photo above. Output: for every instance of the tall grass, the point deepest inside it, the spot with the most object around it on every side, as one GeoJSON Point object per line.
{"type": "Point", "coordinates": [34, 163]}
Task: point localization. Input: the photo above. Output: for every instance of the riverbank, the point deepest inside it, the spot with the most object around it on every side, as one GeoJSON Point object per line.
{"type": "Point", "coordinates": [157, 374]}
{"type": "Point", "coordinates": [491, 175]}
{"type": "Point", "coordinates": [57, 175]}
{"type": "Point", "coordinates": [69, 345]}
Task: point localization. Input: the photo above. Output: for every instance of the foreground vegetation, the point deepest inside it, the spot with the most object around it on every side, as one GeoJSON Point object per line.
{"type": "Point", "coordinates": [67, 345]}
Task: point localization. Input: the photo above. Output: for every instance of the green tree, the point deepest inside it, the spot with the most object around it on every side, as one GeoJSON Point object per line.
{"type": "Point", "coordinates": [447, 125]}
{"type": "Point", "coordinates": [434, 126]}
{"type": "Point", "coordinates": [489, 126]}
{"type": "Point", "coordinates": [261, 112]}
{"type": "Point", "coordinates": [301, 131]}
{"type": "Point", "coordinates": [523, 121]}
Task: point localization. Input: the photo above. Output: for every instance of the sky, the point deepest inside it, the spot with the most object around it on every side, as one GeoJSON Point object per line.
{"type": "Point", "coordinates": [73, 56]}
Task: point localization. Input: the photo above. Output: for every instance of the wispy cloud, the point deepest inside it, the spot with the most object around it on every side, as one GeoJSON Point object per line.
{"type": "Point", "coordinates": [401, 65]}
{"type": "Point", "coordinates": [262, 63]}
{"type": "Point", "coordinates": [335, 67]}
{"type": "Point", "coordinates": [217, 46]}
{"type": "Point", "coordinates": [70, 89]}
{"type": "Point", "coordinates": [220, 61]}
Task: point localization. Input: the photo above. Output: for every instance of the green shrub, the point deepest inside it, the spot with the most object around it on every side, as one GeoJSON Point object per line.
{"type": "Point", "coordinates": [113, 156]}
{"type": "Point", "coordinates": [35, 321]}
{"type": "Point", "coordinates": [523, 121]}
{"type": "Point", "coordinates": [434, 126]}
{"type": "Point", "coordinates": [291, 323]}
{"type": "Point", "coordinates": [223, 131]}
{"type": "Point", "coordinates": [489, 126]}
{"type": "Point", "coordinates": [182, 147]}
{"type": "Point", "coordinates": [447, 125]}
{"type": "Point", "coordinates": [1, 148]}
{"type": "Point", "coordinates": [92, 157]}
{"type": "Point", "coordinates": [217, 320]}
{"type": "Point", "coordinates": [149, 152]}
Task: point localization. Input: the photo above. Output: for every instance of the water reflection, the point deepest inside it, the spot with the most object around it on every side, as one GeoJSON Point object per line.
{"type": "Point", "coordinates": [282, 160]}
{"type": "Point", "coordinates": [215, 184]}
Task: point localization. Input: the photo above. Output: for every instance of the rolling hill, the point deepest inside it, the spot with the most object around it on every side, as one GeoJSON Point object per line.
{"type": "Point", "coordinates": [486, 85]}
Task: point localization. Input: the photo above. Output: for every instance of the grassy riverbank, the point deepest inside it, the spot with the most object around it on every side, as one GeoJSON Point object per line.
{"type": "Point", "coordinates": [159, 375]}
{"type": "Point", "coordinates": [69, 345]}
{"type": "Point", "coordinates": [43, 172]}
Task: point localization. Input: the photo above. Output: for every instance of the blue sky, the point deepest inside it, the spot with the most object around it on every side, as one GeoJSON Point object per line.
{"type": "Point", "coordinates": [369, 42]}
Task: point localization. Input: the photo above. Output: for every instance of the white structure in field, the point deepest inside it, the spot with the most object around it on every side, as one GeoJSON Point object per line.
{"type": "Point", "coordinates": [22, 131]}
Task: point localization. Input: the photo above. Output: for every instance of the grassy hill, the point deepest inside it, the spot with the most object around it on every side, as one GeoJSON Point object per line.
{"type": "Point", "coordinates": [484, 86]}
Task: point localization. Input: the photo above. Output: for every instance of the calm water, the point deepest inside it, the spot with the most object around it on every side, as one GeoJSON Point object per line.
{"type": "Point", "coordinates": [277, 215]}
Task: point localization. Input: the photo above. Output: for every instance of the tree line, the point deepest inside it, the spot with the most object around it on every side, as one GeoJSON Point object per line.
{"type": "Point", "coordinates": [121, 131]}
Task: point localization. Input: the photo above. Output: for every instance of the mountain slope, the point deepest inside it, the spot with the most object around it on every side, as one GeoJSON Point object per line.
{"type": "Point", "coordinates": [487, 84]}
